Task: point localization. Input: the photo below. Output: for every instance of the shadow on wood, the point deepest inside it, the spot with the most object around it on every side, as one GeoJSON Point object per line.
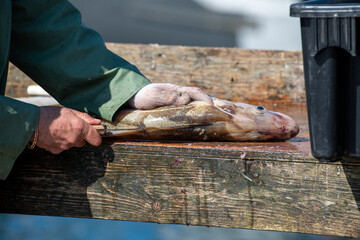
{"type": "Point", "coordinates": [57, 183]}
{"type": "Point", "coordinates": [271, 186]}
{"type": "Point", "coordinates": [266, 186]}
{"type": "Point", "coordinates": [352, 174]}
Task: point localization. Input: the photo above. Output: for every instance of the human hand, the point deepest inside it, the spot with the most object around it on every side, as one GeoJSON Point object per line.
{"type": "Point", "coordinates": [165, 94]}
{"type": "Point", "coordinates": [62, 128]}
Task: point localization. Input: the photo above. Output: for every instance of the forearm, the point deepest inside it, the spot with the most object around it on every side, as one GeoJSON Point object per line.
{"type": "Point", "coordinates": [69, 60]}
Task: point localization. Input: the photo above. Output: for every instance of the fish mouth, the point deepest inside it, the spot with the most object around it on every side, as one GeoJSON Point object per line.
{"type": "Point", "coordinates": [294, 131]}
{"type": "Point", "coordinates": [288, 127]}
{"type": "Point", "coordinates": [282, 127]}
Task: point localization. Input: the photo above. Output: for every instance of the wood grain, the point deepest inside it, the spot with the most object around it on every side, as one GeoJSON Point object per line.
{"type": "Point", "coordinates": [234, 74]}
{"type": "Point", "coordinates": [227, 73]}
{"type": "Point", "coordinates": [235, 185]}
{"type": "Point", "coordinates": [266, 186]}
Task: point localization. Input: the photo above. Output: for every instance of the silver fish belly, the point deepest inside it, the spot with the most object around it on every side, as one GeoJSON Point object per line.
{"type": "Point", "coordinates": [199, 121]}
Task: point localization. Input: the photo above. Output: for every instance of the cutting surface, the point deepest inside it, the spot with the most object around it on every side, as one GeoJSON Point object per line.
{"type": "Point", "coordinates": [255, 185]}
{"type": "Point", "coordinates": [300, 145]}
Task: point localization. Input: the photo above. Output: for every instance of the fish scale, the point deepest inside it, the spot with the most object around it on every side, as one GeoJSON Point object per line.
{"type": "Point", "coordinates": [199, 121]}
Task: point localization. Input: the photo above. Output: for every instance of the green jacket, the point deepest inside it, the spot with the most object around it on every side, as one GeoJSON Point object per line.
{"type": "Point", "coordinates": [48, 42]}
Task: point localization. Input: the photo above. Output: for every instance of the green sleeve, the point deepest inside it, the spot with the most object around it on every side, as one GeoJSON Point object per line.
{"type": "Point", "coordinates": [18, 122]}
{"type": "Point", "coordinates": [69, 60]}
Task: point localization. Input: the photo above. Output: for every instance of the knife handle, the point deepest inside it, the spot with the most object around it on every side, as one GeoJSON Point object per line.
{"type": "Point", "coordinates": [101, 129]}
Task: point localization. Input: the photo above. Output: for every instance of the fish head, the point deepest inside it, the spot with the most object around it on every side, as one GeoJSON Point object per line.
{"type": "Point", "coordinates": [259, 123]}
{"type": "Point", "coordinates": [268, 124]}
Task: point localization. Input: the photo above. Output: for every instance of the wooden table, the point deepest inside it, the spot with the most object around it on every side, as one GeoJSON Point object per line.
{"type": "Point", "coordinates": [266, 186]}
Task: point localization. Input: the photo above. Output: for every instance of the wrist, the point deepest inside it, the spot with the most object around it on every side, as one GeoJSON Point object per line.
{"type": "Point", "coordinates": [34, 138]}
{"type": "Point", "coordinates": [131, 102]}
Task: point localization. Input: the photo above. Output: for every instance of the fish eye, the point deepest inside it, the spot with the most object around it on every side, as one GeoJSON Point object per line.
{"type": "Point", "coordinates": [260, 109]}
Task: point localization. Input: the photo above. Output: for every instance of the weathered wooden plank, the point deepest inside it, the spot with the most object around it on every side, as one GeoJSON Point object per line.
{"type": "Point", "coordinates": [208, 184]}
{"type": "Point", "coordinates": [227, 73]}
{"type": "Point", "coordinates": [232, 74]}
{"type": "Point", "coordinates": [265, 186]}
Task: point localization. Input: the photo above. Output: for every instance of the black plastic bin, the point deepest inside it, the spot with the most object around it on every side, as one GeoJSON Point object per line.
{"type": "Point", "coordinates": [331, 52]}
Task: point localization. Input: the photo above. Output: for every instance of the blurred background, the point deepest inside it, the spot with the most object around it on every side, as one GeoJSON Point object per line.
{"type": "Point", "coordinates": [256, 24]}
{"type": "Point", "coordinates": [260, 24]}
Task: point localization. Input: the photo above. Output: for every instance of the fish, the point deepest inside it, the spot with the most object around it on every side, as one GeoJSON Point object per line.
{"type": "Point", "coordinates": [200, 121]}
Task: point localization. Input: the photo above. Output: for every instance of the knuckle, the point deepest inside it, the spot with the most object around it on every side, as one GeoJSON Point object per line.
{"type": "Point", "coordinates": [83, 115]}
{"type": "Point", "coordinates": [77, 129]}
{"type": "Point", "coordinates": [78, 123]}
{"type": "Point", "coordinates": [197, 90]}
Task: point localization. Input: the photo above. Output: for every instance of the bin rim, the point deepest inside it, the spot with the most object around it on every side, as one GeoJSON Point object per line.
{"type": "Point", "coordinates": [326, 9]}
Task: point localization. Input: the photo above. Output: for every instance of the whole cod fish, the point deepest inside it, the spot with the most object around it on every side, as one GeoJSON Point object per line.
{"type": "Point", "coordinates": [199, 121]}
